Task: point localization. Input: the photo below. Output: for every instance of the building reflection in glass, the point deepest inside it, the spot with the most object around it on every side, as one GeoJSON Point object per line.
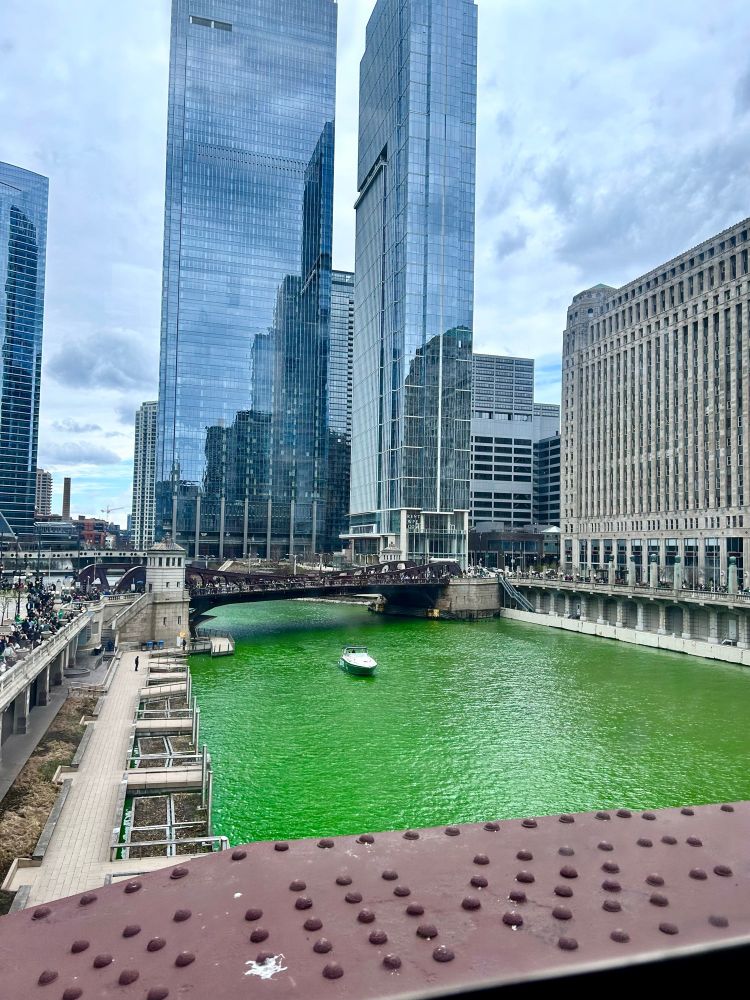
{"type": "Point", "coordinates": [414, 282]}
{"type": "Point", "coordinates": [242, 436]}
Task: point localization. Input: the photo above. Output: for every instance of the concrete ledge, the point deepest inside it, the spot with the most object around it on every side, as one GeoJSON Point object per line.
{"type": "Point", "coordinates": [49, 827]}
{"type": "Point", "coordinates": [98, 708]}
{"type": "Point", "coordinates": [85, 739]}
{"type": "Point", "coordinates": [122, 794]}
{"type": "Point", "coordinates": [21, 899]}
{"type": "Point", "coordinates": [675, 644]}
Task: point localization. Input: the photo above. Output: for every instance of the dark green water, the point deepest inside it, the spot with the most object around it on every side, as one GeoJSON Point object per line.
{"type": "Point", "coordinates": [463, 722]}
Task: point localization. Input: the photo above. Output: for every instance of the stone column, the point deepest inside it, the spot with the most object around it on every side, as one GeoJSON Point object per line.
{"type": "Point", "coordinates": [653, 574]}
{"type": "Point", "coordinates": [42, 687]}
{"type": "Point", "coordinates": [631, 572]}
{"type": "Point", "coordinates": [732, 576]}
{"type": "Point", "coordinates": [686, 623]}
{"type": "Point", "coordinates": [611, 573]}
{"type": "Point", "coordinates": [640, 624]}
{"type": "Point", "coordinates": [21, 708]}
{"type": "Point", "coordinates": [552, 602]}
{"type": "Point", "coordinates": [56, 670]}
{"type": "Point", "coordinates": [568, 605]}
{"type": "Point", "coordinates": [600, 611]}
{"type": "Point", "coordinates": [620, 620]}
{"type": "Point", "coordinates": [584, 604]}
{"type": "Point", "coordinates": [662, 630]}
{"type": "Point", "coordinates": [677, 574]}
{"type": "Point", "coordinates": [713, 625]}
{"type": "Point", "coordinates": [743, 630]}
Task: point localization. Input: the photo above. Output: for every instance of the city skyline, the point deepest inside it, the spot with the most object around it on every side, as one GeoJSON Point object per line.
{"type": "Point", "coordinates": [536, 183]}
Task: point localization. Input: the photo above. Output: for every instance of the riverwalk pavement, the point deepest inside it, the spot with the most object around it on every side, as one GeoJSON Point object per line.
{"type": "Point", "coordinates": [77, 858]}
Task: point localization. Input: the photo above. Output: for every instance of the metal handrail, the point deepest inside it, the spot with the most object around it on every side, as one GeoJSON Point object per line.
{"type": "Point", "coordinates": [222, 841]}
{"type": "Point", "coordinates": [639, 589]}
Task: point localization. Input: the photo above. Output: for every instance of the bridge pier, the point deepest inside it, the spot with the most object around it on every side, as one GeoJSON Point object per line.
{"type": "Point", "coordinates": [42, 687]}
{"type": "Point", "coordinates": [21, 709]}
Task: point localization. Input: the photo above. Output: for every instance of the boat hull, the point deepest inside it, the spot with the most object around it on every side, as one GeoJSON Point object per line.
{"type": "Point", "coordinates": [356, 669]}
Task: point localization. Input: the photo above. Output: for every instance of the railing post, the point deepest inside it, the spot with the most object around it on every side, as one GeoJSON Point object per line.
{"type": "Point", "coordinates": [204, 765]}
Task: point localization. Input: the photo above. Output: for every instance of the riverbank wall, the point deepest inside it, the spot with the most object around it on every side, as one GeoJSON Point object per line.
{"type": "Point", "coordinates": [673, 643]}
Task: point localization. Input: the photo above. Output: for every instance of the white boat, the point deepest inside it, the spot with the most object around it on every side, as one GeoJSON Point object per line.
{"type": "Point", "coordinates": [356, 660]}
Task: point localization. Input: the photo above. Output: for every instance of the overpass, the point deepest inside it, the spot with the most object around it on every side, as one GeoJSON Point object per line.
{"type": "Point", "coordinates": [26, 683]}
{"type": "Point", "coordinates": [408, 585]}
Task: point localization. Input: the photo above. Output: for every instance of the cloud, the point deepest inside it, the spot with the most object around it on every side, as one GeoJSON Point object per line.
{"type": "Point", "coordinates": [116, 363]}
{"type": "Point", "coordinates": [610, 137]}
{"type": "Point", "coordinates": [78, 453]}
{"type": "Point", "coordinates": [73, 427]}
{"type": "Point", "coordinates": [742, 93]}
{"type": "Point", "coordinates": [511, 241]}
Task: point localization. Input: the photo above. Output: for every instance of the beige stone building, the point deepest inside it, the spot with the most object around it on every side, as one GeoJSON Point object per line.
{"type": "Point", "coordinates": [655, 412]}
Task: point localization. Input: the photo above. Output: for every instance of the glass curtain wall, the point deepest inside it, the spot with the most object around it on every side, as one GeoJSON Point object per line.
{"type": "Point", "coordinates": [414, 280]}
{"type": "Point", "coordinates": [242, 438]}
{"type": "Point", "coordinates": [23, 243]}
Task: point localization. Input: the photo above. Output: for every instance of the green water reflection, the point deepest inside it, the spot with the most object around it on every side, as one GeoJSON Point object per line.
{"type": "Point", "coordinates": [463, 722]}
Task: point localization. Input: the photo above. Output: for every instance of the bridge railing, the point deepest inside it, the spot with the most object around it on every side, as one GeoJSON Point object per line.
{"type": "Point", "coordinates": [228, 584]}
{"type": "Point", "coordinates": [19, 674]}
{"type": "Point", "coordinates": [636, 590]}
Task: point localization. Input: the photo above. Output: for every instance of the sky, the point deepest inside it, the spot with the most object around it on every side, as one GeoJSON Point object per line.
{"type": "Point", "coordinates": [611, 137]}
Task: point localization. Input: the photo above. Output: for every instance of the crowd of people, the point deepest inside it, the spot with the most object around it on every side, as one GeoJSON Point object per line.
{"type": "Point", "coordinates": [46, 613]}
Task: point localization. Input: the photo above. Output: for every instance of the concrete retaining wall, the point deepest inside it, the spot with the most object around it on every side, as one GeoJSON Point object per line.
{"type": "Point", "coordinates": [692, 647]}
{"type": "Point", "coordinates": [470, 599]}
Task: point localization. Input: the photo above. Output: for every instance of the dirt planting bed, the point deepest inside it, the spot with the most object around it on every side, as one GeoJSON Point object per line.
{"type": "Point", "coordinates": [24, 810]}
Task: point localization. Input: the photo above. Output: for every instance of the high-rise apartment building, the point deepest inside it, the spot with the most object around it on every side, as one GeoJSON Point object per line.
{"type": "Point", "coordinates": [506, 429]}
{"type": "Point", "coordinates": [23, 248]}
{"type": "Point", "coordinates": [339, 396]}
{"type": "Point", "coordinates": [43, 494]}
{"type": "Point", "coordinates": [414, 286]}
{"type": "Point", "coordinates": [144, 476]}
{"type": "Point", "coordinates": [656, 404]}
{"type": "Point", "coordinates": [242, 443]}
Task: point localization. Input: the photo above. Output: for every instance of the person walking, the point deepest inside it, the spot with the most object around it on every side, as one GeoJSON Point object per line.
{"type": "Point", "coordinates": [136, 664]}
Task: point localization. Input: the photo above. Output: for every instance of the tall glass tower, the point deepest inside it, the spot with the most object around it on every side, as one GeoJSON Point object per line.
{"type": "Point", "coordinates": [414, 286]}
{"type": "Point", "coordinates": [242, 442]}
{"type": "Point", "coordinates": [23, 248]}
{"type": "Point", "coordinates": [339, 395]}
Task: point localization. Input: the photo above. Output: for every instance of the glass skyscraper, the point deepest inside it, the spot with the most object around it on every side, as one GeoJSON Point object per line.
{"type": "Point", "coordinates": [23, 247]}
{"type": "Point", "coordinates": [242, 443]}
{"type": "Point", "coordinates": [414, 281]}
{"type": "Point", "coordinates": [339, 395]}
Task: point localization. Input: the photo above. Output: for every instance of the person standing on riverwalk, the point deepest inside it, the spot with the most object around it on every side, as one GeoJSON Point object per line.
{"type": "Point", "coordinates": [136, 664]}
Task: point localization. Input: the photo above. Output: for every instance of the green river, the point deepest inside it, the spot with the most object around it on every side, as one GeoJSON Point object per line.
{"type": "Point", "coordinates": [462, 723]}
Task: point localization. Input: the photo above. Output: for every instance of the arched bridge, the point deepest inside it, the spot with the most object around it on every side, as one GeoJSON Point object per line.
{"type": "Point", "coordinates": [411, 584]}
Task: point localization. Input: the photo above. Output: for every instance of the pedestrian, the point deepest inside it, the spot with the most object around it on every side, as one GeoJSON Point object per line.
{"type": "Point", "coordinates": [136, 664]}
{"type": "Point", "coordinates": [184, 645]}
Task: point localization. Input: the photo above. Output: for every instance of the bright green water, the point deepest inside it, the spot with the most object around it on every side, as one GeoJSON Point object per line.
{"type": "Point", "coordinates": [462, 723]}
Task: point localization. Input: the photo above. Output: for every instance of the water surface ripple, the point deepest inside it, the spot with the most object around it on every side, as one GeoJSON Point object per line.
{"type": "Point", "coordinates": [463, 722]}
